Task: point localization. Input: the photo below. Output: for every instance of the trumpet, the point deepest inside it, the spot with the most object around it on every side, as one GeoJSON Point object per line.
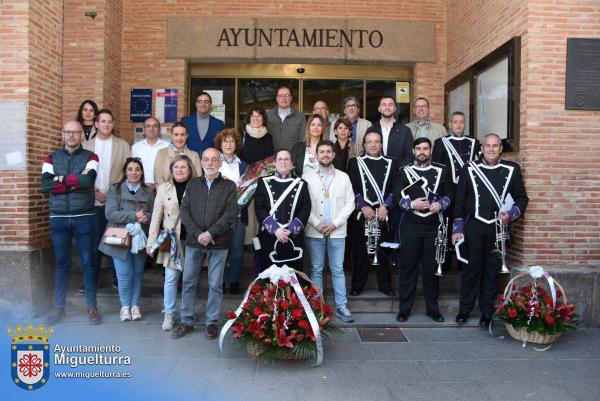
{"type": "Point", "coordinates": [373, 232]}
{"type": "Point", "coordinates": [501, 237]}
{"type": "Point", "coordinates": [441, 244]}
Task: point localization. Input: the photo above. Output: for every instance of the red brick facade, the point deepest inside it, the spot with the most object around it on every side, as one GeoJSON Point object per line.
{"type": "Point", "coordinates": [53, 63]}
{"type": "Point", "coordinates": [558, 147]}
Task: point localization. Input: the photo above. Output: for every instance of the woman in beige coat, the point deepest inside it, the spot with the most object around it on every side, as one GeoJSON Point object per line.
{"type": "Point", "coordinates": [164, 157]}
{"type": "Point", "coordinates": [165, 216]}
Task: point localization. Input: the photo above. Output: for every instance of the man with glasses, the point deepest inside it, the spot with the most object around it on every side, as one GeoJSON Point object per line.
{"type": "Point", "coordinates": [282, 204]}
{"type": "Point", "coordinates": [285, 125]}
{"type": "Point", "coordinates": [422, 126]}
{"type": "Point", "coordinates": [359, 125]}
{"type": "Point", "coordinates": [202, 127]}
{"type": "Point", "coordinates": [68, 175]}
{"type": "Point", "coordinates": [321, 108]}
{"type": "Point", "coordinates": [112, 153]}
{"type": "Point", "coordinates": [147, 148]}
{"type": "Point", "coordinates": [208, 211]}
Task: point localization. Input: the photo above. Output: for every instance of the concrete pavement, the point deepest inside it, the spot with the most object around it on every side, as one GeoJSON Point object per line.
{"type": "Point", "coordinates": [445, 363]}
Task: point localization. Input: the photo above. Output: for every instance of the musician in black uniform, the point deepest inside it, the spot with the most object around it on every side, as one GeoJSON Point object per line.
{"type": "Point", "coordinates": [483, 189]}
{"type": "Point", "coordinates": [281, 231]}
{"type": "Point", "coordinates": [422, 207]}
{"type": "Point", "coordinates": [454, 151]}
{"type": "Point", "coordinates": [372, 177]}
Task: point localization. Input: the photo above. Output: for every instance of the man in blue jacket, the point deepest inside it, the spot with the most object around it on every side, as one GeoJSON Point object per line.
{"type": "Point", "coordinates": [202, 127]}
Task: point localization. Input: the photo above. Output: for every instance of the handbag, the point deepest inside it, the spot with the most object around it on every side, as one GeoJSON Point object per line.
{"type": "Point", "coordinates": [117, 236]}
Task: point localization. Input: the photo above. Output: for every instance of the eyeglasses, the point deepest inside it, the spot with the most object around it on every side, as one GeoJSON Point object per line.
{"type": "Point", "coordinates": [73, 133]}
{"type": "Point", "coordinates": [351, 106]}
{"type": "Point", "coordinates": [210, 160]}
{"type": "Point", "coordinates": [375, 142]}
{"type": "Point", "coordinates": [155, 126]}
{"type": "Point", "coordinates": [421, 106]}
{"type": "Point", "coordinates": [284, 96]}
{"type": "Point", "coordinates": [228, 141]}
{"type": "Point", "coordinates": [201, 101]}
{"type": "Point", "coordinates": [284, 160]}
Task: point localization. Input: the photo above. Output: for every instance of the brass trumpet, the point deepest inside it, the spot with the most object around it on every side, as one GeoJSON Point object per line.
{"type": "Point", "coordinates": [501, 237]}
{"type": "Point", "coordinates": [441, 243]}
{"type": "Point", "coordinates": [373, 232]}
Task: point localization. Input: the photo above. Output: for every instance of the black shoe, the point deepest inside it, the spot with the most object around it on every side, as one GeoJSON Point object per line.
{"type": "Point", "coordinates": [436, 316]}
{"type": "Point", "coordinates": [462, 318]}
{"type": "Point", "coordinates": [211, 332]}
{"type": "Point", "coordinates": [402, 317]}
{"type": "Point", "coordinates": [355, 293]}
{"type": "Point", "coordinates": [485, 320]}
{"type": "Point", "coordinates": [181, 330]}
{"type": "Point", "coordinates": [234, 288]}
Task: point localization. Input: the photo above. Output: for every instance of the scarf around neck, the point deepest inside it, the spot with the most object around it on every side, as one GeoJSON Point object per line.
{"type": "Point", "coordinates": [256, 133]}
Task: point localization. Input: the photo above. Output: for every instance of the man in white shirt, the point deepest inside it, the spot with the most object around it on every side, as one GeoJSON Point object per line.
{"type": "Point", "coordinates": [147, 148]}
{"type": "Point", "coordinates": [332, 202]}
{"type": "Point", "coordinates": [397, 138]}
{"type": "Point", "coordinates": [112, 152]}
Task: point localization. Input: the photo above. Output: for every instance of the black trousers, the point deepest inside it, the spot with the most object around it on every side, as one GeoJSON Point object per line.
{"type": "Point", "coordinates": [418, 246]}
{"type": "Point", "coordinates": [361, 261]}
{"type": "Point", "coordinates": [480, 276]}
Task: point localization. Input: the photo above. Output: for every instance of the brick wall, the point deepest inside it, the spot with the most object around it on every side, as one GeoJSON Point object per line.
{"type": "Point", "coordinates": [558, 146]}
{"type": "Point", "coordinates": [31, 68]}
{"type": "Point", "coordinates": [144, 35]}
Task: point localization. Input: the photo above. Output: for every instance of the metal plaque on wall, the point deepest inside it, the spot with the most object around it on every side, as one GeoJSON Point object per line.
{"type": "Point", "coordinates": [582, 90]}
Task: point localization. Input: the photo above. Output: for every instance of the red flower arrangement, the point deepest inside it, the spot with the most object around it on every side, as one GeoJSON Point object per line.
{"type": "Point", "coordinates": [532, 307]}
{"type": "Point", "coordinates": [275, 322]}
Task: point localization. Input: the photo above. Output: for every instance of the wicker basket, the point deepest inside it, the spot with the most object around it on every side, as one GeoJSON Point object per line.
{"type": "Point", "coordinates": [522, 334]}
{"type": "Point", "coordinates": [254, 350]}
{"type": "Point", "coordinates": [535, 337]}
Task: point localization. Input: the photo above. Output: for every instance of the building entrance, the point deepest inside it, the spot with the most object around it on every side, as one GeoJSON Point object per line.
{"type": "Point", "coordinates": [237, 87]}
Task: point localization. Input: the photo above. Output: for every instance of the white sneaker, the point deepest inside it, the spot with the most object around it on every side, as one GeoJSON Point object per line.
{"type": "Point", "coordinates": [344, 314]}
{"type": "Point", "coordinates": [125, 313]}
{"type": "Point", "coordinates": [136, 313]}
{"type": "Point", "coordinates": [168, 322]}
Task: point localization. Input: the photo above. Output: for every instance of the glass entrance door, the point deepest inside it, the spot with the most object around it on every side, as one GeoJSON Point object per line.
{"type": "Point", "coordinates": [241, 86]}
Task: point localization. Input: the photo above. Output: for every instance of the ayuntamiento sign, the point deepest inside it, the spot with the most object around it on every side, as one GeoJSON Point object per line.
{"type": "Point", "coordinates": [332, 41]}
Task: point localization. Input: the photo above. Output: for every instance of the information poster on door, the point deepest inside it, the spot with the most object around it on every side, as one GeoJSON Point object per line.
{"type": "Point", "coordinates": [217, 109]}
{"type": "Point", "coordinates": [402, 92]}
{"type": "Point", "coordinates": [166, 105]}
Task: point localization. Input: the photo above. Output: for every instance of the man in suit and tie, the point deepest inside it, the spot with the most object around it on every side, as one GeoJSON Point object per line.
{"type": "Point", "coordinates": [202, 127]}
{"type": "Point", "coordinates": [397, 138]}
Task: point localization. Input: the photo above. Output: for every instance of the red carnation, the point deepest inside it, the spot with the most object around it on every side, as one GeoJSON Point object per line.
{"type": "Point", "coordinates": [549, 319]}
{"type": "Point", "coordinates": [327, 309]}
{"type": "Point", "coordinates": [313, 291]}
{"type": "Point", "coordinates": [281, 283]}
{"type": "Point", "coordinates": [256, 288]}
{"type": "Point", "coordinates": [257, 311]}
{"type": "Point", "coordinates": [512, 313]}
{"type": "Point", "coordinates": [285, 305]}
{"type": "Point", "coordinates": [231, 315]}
{"type": "Point", "coordinates": [558, 294]}
{"type": "Point", "coordinates": [304, 324]}
{"type": "Point", "coordinates": [297, 314]}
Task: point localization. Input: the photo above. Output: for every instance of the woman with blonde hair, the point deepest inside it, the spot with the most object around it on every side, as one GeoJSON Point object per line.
{"type": "Point", "coordinates": [166, 227]}
{"type": "Point", "coordinates": [304, 154]}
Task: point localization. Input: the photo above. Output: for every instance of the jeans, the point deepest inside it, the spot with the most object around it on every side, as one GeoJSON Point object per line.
{"type": "Point", "coordinates": [101, 223]}
{"type": "Point", "coordinates": [62, 232]}
{"type": "Point", "coordinates": [130, 273]}
{"type": "Point", "coordinates": [335, 250]}
{"type": "Point", "coordinates": [170, 287]}
{"type": "Point", "coordinates": [194, 259]}
{"type": "Point", "coordinates": [236, 251]}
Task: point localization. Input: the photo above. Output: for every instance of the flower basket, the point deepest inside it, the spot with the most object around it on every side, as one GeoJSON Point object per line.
{"type": "Point", "coordinates": [280, 319]}
{"type": "Point", "coordinates": [534, 310]}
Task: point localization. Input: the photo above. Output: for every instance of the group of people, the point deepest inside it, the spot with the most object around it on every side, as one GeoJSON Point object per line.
{"type": "Point", "coordinates": [379, 185]}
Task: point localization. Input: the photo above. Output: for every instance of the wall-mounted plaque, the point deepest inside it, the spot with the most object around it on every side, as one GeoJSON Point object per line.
{"type": "Point", "coordinates": [583, 74]}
